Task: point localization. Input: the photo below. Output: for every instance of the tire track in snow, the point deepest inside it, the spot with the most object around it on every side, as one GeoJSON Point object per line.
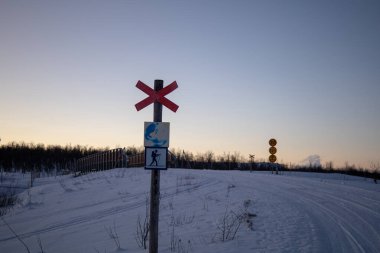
{"type": "Point", "coordinates": [97, 203]}
{"type": "Point", "coordinates": [345, 224]}
{"type": "Point", "coordinates": [334, 227]}
{"type": "Point", "coordinates": [342, 224]}
{"type": "Point", "coordinates": [338, 214]}
{"type": "Point", "coordinates": [108, 212]}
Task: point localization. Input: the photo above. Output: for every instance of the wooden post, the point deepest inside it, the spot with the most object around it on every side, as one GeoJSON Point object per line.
{"type": "Point", "coordinates": [113, 159]}
{"type": "Point", "coordinates": [155, 183]}
{"type": "Point", "coordinates": [103, 160]}
{"type": "Point", "coordinates": [107, 159]}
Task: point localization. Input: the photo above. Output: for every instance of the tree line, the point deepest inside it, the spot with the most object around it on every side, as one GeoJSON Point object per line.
{"type": "Point", "coordinates": [235, 161]}
{"type": "Point", "coordinates": [21, 156]}
{"type": "Point", "coordinates": [225, 161]}
{"type": "Point", "coordinates": [39, 157]}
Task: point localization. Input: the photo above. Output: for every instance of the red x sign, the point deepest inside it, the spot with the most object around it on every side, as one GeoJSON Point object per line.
{"type": "Point", "coordinates": [156, 96]}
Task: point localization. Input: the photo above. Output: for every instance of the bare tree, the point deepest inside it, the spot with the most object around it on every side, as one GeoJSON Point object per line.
{"type": "Point", "coordinates": [209, 158]}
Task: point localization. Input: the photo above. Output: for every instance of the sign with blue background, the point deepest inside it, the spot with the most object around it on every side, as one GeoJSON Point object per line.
{"type": "Point", "coordinates": [156, 134]}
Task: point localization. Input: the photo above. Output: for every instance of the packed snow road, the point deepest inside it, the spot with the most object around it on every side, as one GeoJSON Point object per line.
{"type": "Point", "coordinates": [295, 212]}
{"type": "Point", "coordinates": [305, 212]}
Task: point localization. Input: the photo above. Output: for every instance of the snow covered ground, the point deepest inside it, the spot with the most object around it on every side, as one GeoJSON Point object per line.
{"type": "Point", "coordinates": [293, 212]}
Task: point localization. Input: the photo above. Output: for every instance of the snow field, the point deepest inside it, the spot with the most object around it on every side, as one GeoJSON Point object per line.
{"type": "Point", "coordinates": [296, 212]}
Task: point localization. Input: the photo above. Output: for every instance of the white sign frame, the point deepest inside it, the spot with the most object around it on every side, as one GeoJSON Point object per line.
{"type": "Point", "coordinates": [158, 161]}
{"type": "Point", "coordinates": [156, 134]}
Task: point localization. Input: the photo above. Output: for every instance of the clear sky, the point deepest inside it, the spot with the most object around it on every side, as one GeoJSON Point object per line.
{"type": "Point", "coordinates": [304, 72]}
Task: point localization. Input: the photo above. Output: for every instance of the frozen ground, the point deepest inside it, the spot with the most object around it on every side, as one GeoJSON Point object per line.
{"type": "Point", "coordinates": [295, 212]}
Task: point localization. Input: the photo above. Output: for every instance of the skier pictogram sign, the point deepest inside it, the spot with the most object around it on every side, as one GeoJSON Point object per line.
{"type": "Point", "coordinates": [156, 96]}
{"type": "Point", "coordinates": [156, 158]}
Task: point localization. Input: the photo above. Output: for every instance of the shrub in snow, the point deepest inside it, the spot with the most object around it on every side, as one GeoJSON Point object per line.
{"type": "Point", "coordinates": [7, 200]}
{"type": "Point", "coordinates": [111, 231]}
{"type": "Point", "coordinates": [142, 230]}
{"type": "Point", "coordinates": [229, 224]}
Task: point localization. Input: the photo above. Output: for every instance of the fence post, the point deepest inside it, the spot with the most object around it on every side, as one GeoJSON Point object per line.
{"type": "Point", "coordinates": [113, 159]}
{"type": "Point", "coordinates": [103, 159]}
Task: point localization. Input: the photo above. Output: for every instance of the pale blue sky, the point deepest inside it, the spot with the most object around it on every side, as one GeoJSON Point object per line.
{"type": "Point", "coordinates": [304, 72]}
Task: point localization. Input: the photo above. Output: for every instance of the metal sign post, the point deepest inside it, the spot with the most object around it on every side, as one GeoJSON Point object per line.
{"type": "Point", "coordinates": [156, 96]}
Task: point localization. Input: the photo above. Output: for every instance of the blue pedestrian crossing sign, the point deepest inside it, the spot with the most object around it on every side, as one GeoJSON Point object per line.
{"type": "Point", "coordinates": [156, 158]}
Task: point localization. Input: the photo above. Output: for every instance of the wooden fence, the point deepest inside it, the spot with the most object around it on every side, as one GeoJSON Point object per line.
{"type": "Point", "coordinates": [110, 159]}
{"type": "Point", "coordinates": [115, 158]}
{"type": "Point", "coordinates": [137, 160]}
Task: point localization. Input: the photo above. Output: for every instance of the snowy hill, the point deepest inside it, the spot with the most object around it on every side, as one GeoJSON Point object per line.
{"type": "Point", "coordinates": [294, 212]}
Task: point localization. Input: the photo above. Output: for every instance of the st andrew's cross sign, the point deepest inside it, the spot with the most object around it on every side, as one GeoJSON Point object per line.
{"type": "Point", "coordinates": [156, 96]}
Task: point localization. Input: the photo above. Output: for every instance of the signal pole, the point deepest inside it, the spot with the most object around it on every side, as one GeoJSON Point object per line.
{"type": "Point", "coordinates": [252, 157]}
